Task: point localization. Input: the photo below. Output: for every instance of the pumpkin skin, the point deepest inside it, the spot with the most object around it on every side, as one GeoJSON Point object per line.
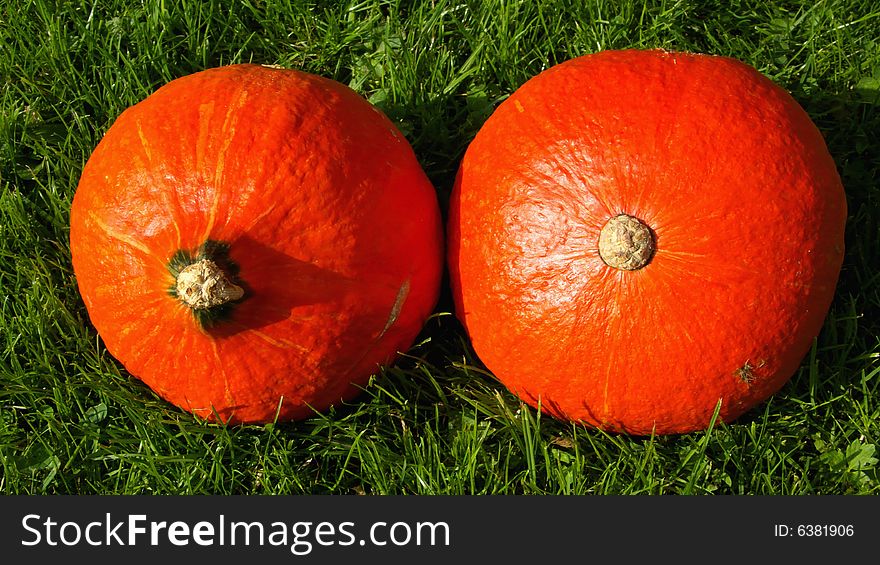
{"type": "Point", "coordinates": [310, 200]}
{"type": "Point", "coordinates": [745, 208]}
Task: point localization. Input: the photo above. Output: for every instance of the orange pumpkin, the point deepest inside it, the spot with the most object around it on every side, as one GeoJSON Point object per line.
{"type": "Point", "coordinates": [254, 242]}
{"type": "Point", "coordinates": [635, 236]}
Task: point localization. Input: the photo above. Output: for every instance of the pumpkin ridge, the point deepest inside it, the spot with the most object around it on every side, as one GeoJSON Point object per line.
{"type": "Point", "coordinates": [145, 144]}
{"type": "Point", "coordinates": [130, 241]}
{"type": "Point", "coordinates": [281, 344]}
{"type": "Point", "coordinates": [230, 122]}
{"type": "Point", "coordinates": [227, 390]}
{"type": "Point", "coordinates": [259, 218]}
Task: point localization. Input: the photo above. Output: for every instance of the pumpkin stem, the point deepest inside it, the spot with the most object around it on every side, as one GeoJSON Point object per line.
{"type": "Point", "coordinates": [626, 243]}
{"type": "Point", "coordinates": [204, 285]}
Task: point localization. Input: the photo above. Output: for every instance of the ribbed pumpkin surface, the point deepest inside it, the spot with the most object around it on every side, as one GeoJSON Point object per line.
{"type": "Point", "coordinates": [742, 200]}
{"type": "Point", "coordinates": [309, 199]}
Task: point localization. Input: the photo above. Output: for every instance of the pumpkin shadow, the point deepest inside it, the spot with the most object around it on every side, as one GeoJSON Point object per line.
{"type": "Point", "coordinates": [275, 283]}
{"type": "Point", "coordinates": [439, 127]}
{"type": "Point", "coordinates": [850, 124]}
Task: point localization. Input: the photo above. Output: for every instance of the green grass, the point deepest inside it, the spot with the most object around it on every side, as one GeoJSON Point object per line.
{"type": "Point", "coordinates": [73, 421]}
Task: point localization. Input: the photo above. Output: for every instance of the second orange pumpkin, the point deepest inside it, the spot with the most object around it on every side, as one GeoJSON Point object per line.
{"type": "Point", "coordinates": [635, 236]}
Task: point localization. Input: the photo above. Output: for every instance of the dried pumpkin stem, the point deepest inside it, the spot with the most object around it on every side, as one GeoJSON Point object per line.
{"type": "Point", "coordinates": [626, 243]}
{"type": "Point", "coordinates": [204, 285]}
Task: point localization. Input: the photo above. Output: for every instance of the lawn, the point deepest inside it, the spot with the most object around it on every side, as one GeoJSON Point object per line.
{"type": "Point", "coordinates": [72, 421]}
